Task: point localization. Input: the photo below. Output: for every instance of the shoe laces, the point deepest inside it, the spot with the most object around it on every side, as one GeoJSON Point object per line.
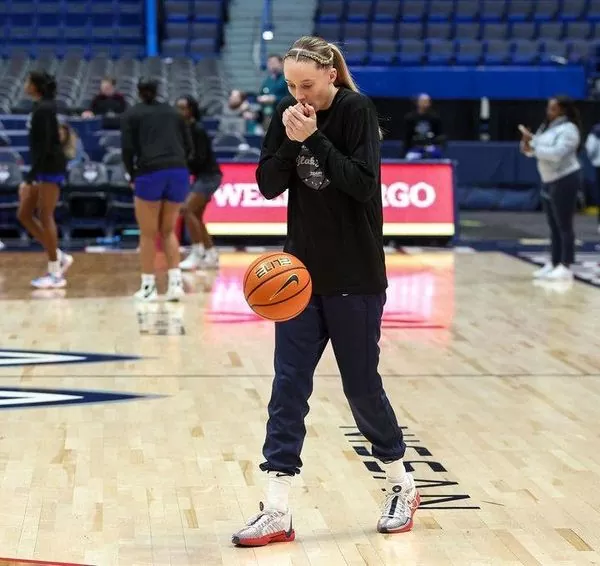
{"type": "Point", "coordinates": [397, 503]}
{"type": "Point", "coordinates": [265, 517]}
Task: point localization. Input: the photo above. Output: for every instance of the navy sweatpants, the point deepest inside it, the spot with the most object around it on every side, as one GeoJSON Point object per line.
{"type": "Point", "coordinates": [353, 324]}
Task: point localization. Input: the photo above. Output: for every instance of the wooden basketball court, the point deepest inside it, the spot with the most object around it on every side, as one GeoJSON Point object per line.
{"type": "Point", "coordinates": [131, 434]}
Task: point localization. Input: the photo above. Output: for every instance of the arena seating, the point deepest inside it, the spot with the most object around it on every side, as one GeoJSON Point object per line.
{"type": "Point", "coordinates": [193, 28]}
{"type": "Point", "coordinates": [115, 27]}
{"type": "Point", "coordinates": [463, 32]}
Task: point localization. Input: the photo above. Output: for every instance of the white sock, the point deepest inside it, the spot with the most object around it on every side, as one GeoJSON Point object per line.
{"type": "Point", "coordinates": [175, 276]}
{"type": "Point", "coordinates": [148, 280]}
{"type": "Point", "coordinates": [278, 491]}
{"type": "Point", "coordinates": [54, 267]}
{"type": "Point", "coordinates": [59, 254]}
{"type": "Point", "coordinates": [396, 472]}
{"type": "Point", "coordinates": [198, 249]}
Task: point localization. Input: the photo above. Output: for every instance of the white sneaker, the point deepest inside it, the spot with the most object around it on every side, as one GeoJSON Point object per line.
{"type": "Point", "coordinates": [175, 292]}
{"type": "Point", "coordinates": [559, 273]}
{"type": "Point", "coordinates": [399, 507]}
{"type": "Point", "coordinates": [267, 526]}
{"type": "Point", "coordinates": [146, 293]}
{"type": "Point", "coordinates": [192, 261]}
{"type": "Point", "coordinates": [2, 246]}
{"type": "Point", "coordinates": [49, 281]}
{"type": "Point", "coordinates": [210, 260]}
{"type": "Point", "coordinates": [544, 271]}
{"type": "Point", "coordinates": [66, 261]}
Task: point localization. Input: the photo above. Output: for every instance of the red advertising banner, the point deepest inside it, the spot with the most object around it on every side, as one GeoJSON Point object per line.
{"type": "Point", "coordinates": [418, 200]}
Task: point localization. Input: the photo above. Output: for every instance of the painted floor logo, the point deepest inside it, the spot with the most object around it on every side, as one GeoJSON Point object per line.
{"type": "Point", "coordinates": [436, 493]}
{"type": "Point", "coordinates": [40, 357]}
{"type": "Point", "coordinates": [21, 397]}
{"type": "Point", "coordinates": [20, 562]}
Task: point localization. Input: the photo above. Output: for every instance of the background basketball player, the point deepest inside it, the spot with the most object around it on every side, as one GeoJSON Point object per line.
{"type": "Point", "coordinates": [156, 146]}
{"type": "Point", "coordinates": [207, 178]}
{"type": "Point", "coordinates": [41, 189]}
{"type": "Point", "coordinates": [324, 145]}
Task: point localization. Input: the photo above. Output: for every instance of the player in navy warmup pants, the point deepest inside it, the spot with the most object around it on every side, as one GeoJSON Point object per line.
{"type": "Point", "coordinates": [323, 146]}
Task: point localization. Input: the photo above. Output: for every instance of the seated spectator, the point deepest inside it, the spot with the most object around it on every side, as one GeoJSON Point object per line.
{"type": "Point", "coordinates": [238, 106]}
{"type": "Point", "coordinates": [274, 88]}
{"type": "Point", "coordinates": [108, 103]}
{"type": "Point", "coordinates": [423, 137]}
{"type": "Point", "coordinates": [72, 146]}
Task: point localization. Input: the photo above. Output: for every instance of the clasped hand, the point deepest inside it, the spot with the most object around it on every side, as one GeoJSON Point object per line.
{"type": "Point", "coordinates": [300, 122]}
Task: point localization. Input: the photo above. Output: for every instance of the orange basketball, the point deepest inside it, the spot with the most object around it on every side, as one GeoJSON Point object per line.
{"type": "Point", "coordinates": [277, 286]}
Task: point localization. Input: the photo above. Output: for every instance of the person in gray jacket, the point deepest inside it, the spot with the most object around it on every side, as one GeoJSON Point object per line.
{"type": "Point", "coordinates": [592, 148]}
{"type": "Point", "coordinates": [555, 146]}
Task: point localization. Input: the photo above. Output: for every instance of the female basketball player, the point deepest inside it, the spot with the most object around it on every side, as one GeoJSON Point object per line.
{"type": "Point", "coordinates": [555, 146]}
{"type": "Point", "coordinates": [156, 146]}
{"type": "Point", "coordinates": [207, 178]}
{"type": "Point", "coordinates": [40, 190]}
{"type": "Point", "coordinates": [323, 144]}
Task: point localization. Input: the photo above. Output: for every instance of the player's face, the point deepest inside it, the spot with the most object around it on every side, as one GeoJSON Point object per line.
{"type": "Point", "coordinates": [309, 83]}
{"type": "Point", "coordinates": [552, 110]}
{"type": "Point", "coordinates": [182, 107]}
{"type": "Point", "coordinates": [29, 88]}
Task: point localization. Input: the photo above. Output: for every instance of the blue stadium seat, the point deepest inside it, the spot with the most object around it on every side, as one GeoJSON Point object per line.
{"type": "Point", "coordinates": [554, 52]}
{"type": "Point", "coordinates": [525, 52]}
{"type": "Point", "coordinates": [208, 10]}
{"type": "Point", "coordinates": [573, 10]}
{"type": "Point", "coordinates": [466, 10]}
{"type": "Point", "coordinates": [410, 30]}
{"type": "Point", "coordinates": [523, 30]}
{"type": "Point", "coordinates": [383, 30]}
{"type": "Point", "coordinates": [331, 10]}
{"type": "Point", "coordinates": [593, 12]}
{"type": "Point", "coordinates": [411, 51]}
{"type": "Point", "coordinates": [413, 10]}
{"type": "Point", "coordinates": [177, 10]}
{"type": "Point", "coordinates": [545, 10]}
{"type": "Point", "coordinates": [359, 10]}
{"type": "Point", "coordinates": [439, 30]}
{"type": "Point", "coordinates": [550, 30]}
{"type": "Point", "coordinates": [578, 30]}
{"type": "Point", "coordinates": [440, 51]}
{"type": "Point", "coordinates": [520, 10]}
{"type": "Point", "coordinates": [494, 30]}
{"type": "Point", "coordinates": [355, 51]}
{"type": "Point", "coordinates": [497, 52]}
{"type": "Point", "coordinates": [492, 10]}
{"type": "Point", "coordinates": [355, 30]}
{"type": "Point", "coordinates": [440, 10]}
{"type": "Point", "coordinates": [467, 30]}
{"type": "Point", "coordinates": [469, 52]}
{"type": "Point", "coordinates": [383, 51]}
{"type": "Point", "coordinates": [387, 11]}
{"type": "Point", "coordinates": [330, 31]}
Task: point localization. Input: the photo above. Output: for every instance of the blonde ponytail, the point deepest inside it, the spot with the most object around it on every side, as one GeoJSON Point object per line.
{"type": "Point", "coordinates": [344, 78]}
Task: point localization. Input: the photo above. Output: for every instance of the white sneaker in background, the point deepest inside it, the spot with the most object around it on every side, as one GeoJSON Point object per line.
{"type": "Point", "coordinates": [2, 246]}
{"type": "Point", "coordinates": [147, 293]}
{"type": "Point", "coordinates": [192, 261]}
{"type": "Point", "coordinates": [210, 259]}
{"type": "Point", "coordinates": [560, 272]}
{"type": "Point", "coordinates": [267, 526]}
{"type": "Point", "coordinates": [49, 281]}
{"type": "Point", "coordinates": [544, 271]}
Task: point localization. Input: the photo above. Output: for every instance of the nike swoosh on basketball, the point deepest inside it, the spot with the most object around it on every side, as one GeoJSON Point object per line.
{"type": "Point", "coordinates": [291, 279]}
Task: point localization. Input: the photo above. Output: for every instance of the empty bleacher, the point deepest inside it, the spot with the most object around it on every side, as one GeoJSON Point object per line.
{"type": "Point", "coordinates": [114, 27]}
{"type": "Point", "coordinates": [193, 28]}
{"type": "Point", "coordinates": [463, 32]}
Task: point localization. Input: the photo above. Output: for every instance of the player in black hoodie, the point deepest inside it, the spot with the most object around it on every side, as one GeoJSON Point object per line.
{"type": "Point", "coordinates": [41, 188]}
{"type": "Point", "coordinates": [207, 177]}
{"type": "Point", "coordinates": [156, 146]}
{"type": "Point", "coordinates": [323, 145]}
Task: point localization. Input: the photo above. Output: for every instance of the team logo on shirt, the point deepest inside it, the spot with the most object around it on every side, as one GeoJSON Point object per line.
{"type": "Point", "coordinates": [309, 170]}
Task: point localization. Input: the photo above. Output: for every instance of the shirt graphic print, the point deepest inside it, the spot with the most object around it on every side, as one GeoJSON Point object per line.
{"type": "Point", "coordinates": [309, 170]}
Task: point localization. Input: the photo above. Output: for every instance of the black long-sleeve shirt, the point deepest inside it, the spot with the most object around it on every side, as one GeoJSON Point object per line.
{"type": "Point", "coordinates": [335, 214]}
{"type": "Point", "coordinates": [203, 160]}
{"type": "Point", "coordinates": [154, 137]}
{"type": "Point", "coordinates": [46, 152]}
